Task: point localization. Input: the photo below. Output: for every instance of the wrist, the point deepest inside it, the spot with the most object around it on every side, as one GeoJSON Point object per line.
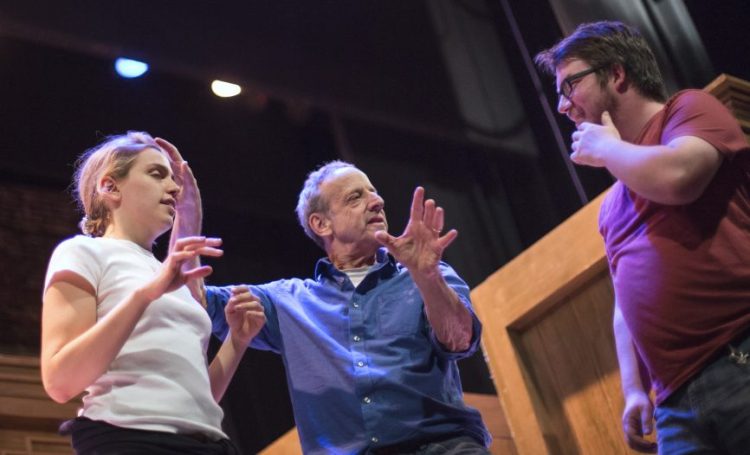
{"type": "Point", "coordinates": [238, 343]}
{"type": "Point", "coordinates": [634, 394]}
{"type": "Point", "coordinates": [426, 275]}
{"type": "Point", "coordinates": [145, 295]}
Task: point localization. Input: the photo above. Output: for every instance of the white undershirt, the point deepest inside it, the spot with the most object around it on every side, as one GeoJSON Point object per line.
{"type": "Point", "coordinates": [358, 274]}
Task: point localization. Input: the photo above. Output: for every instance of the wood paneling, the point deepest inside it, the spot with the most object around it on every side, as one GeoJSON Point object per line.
{"type": "Point", "coordinates": [28, 417]}
{"type": "Point", "coordinates": [545, 314]}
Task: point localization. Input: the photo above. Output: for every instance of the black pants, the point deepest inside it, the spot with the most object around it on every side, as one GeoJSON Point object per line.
{"type": "Point", "coordinates": [93, 437]}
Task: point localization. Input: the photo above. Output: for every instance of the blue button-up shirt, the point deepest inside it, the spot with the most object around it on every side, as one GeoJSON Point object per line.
{"type": "Point", "coordinates": [363, 365]}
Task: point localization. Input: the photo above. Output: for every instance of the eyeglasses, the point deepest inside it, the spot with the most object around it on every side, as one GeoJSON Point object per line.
{"type": "Point", "coordinates": [567, 87]}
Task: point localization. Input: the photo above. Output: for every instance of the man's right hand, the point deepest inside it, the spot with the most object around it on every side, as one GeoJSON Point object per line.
{"type": "Point", "coordinates": [637, 422]}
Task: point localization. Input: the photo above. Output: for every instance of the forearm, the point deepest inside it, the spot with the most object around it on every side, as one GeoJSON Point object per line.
{"type": "Point", "coordinates": [672, 174]}
{"type": "Point", "coordinates": [450, 319]}
{"type": "Point", "coordinates": [626, 356]}
{"type": "Point", "coordinates": [80, 362]}
{"type": "Point", "coordinates": [224, 365]}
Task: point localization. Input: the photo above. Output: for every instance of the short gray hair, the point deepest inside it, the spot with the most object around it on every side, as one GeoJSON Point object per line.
{"type": "Point", "coordinates": [310, 200]}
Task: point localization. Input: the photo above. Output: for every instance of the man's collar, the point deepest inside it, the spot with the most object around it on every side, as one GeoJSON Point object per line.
{"type": "Point", "coordinates": [325, 268]}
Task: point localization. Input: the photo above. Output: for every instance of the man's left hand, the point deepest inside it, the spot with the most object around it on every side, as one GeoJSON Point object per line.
{"type": "Point", "coordinates": [420, 248]}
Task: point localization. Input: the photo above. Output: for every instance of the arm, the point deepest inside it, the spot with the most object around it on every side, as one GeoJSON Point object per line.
{"type": "Point", "coordinates": [675, 173]}
{"type": "Point", "coordinates": [245, 317]}
{"type": "Point", "coordinates": [637, 417]}
{"type": "Point", "coordinates": [76, 348]}
{"type": "Point", "coordinates": [420, 249]}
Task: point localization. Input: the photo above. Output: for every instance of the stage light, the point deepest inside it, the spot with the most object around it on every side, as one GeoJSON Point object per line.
{"type": "Point", "coordinates": [225, 89]}
{"type": "Point", "coordinates": [129, 68]}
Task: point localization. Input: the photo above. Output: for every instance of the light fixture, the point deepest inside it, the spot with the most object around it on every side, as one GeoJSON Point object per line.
{"type": "Point", "coordinates": [225, 89]}
{"type": "Point", "coordinates": [129, 68]}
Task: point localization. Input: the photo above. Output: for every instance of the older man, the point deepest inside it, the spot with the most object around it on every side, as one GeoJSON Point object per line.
{"type": "Point", "coordinates": [370, 343]}
{"type": "Point", "coordinates": [676, 227]}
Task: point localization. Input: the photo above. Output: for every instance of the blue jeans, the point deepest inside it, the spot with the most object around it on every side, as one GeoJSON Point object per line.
{"type": "Point", "coordinates": [711, 413]}
{"type": "Point", "coordinates": [459, 445]}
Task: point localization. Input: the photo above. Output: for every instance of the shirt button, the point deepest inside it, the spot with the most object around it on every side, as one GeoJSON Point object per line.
{"type": "Point", "coordinates": [356, 338]}
{"type": "Point", "coordinates": [374, 439]}
{"type": "Point", "coordinates": [367, 400]}
{"type": "Point", "coordinates": [360, 363]}
{"type": "Point", "coordinates": [355, 305]}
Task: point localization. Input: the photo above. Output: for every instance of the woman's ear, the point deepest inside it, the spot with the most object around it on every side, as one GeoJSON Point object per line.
{"type": "Point", "coordinates": [108, 189]}
{"type": "Point", "coordinates": [319, 224]}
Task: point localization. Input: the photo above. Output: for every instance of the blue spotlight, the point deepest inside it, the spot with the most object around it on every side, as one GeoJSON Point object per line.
{"type": "Point", "coordinates": [128, 68]}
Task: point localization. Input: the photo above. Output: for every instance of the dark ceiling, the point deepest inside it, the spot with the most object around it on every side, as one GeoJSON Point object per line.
{"type": "Point", "coordinates": [375, 60]}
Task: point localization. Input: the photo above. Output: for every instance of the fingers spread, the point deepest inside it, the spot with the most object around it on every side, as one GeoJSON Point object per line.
{"type": "Point", "coordinates": [199, 272]}
{"type": "Point", "coordinates": [439, 220]}
{"type": "Point", "coordinates": [448, 238]}
{"type": "Point", "coordinates": [429, 213]}
{"type": "Point", "coordinates": [417, 204]}
{"type": "Point", "coordinates": [196, 243]}
{"type": "Point", "coordinates": [385, 238]}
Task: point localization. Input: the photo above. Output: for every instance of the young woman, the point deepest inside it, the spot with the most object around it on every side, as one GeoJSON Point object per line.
{"type": "Point", "coordinates": [122, 326]}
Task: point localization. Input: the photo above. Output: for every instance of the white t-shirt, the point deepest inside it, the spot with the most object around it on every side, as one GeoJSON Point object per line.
{"type": "Point", "coordinates": [159, 380]}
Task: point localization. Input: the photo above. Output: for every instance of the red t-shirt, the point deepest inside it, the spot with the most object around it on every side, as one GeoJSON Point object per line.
{"type": "Point", "coordinates": [682, 273]}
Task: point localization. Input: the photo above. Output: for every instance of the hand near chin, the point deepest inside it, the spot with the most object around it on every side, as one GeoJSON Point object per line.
{"type": "Point", "coordinates": [171, 276]}
{"type": "Point", "coordinates": [591, 142]}
{"type": "Point", "coordinates": [420, 247]}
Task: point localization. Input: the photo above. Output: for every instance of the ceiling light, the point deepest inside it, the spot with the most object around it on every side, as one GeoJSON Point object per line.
{"type": "Point", "coordinates": [130, 68]}
{"type": "Point", "coordinates": [225, 89]}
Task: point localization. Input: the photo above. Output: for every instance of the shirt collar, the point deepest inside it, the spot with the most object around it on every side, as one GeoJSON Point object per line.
{"type": "Point", "coordinates": [384, 263]}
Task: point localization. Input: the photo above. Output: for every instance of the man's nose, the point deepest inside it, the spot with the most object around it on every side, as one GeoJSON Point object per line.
{"type": "Point", "coordinates": [563, 104]}
{"type": "Point", "coordinates": [376, 203]}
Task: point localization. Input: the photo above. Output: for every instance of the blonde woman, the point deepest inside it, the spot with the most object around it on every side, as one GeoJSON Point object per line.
{"type": "Point", "coordinates": [122, 326]}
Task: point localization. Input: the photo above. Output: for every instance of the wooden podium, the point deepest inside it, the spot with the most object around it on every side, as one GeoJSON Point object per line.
{"type": "Point", "coordinates": [548, 339]}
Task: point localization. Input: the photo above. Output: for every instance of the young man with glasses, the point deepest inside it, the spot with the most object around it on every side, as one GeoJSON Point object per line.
{"type": "Point", "coordinates": [676, 227]}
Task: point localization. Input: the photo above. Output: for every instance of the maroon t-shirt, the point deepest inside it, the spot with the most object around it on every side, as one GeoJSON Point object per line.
{"type": "Point", "coordinates": [682, 273]}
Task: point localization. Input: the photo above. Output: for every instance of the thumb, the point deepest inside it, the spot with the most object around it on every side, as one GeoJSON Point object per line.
{"type": "Point", "coordinates": [384, 238]}
{"type": "Point", "coordinates": [606, 119]}
{"type": "Point", "coordinates": [646, 420]}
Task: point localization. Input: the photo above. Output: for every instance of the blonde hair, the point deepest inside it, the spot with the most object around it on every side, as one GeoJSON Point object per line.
{"type": "Point", "coordinates": [112, 158]}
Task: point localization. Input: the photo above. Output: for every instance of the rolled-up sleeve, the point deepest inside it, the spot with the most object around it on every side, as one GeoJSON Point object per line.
{"type": "Point", "coordinates": [216, 300]}
{"type": "Point", "coordinates": [462, 290]}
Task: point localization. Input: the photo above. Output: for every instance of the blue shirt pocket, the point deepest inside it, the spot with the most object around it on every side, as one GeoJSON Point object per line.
{"type": "Point", "coordinates": [399, 312]}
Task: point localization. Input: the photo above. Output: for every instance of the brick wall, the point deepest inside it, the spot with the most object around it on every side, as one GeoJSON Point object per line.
{"type": "Point", "coordinates": [33, 219]}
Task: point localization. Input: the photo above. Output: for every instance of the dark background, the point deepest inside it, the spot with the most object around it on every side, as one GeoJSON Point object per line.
{"type": "Point", "coordinates": [433, 93]}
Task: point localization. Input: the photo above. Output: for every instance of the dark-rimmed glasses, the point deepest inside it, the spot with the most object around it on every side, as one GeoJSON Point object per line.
{"type": "Point", "coordinates": [567, 87]}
